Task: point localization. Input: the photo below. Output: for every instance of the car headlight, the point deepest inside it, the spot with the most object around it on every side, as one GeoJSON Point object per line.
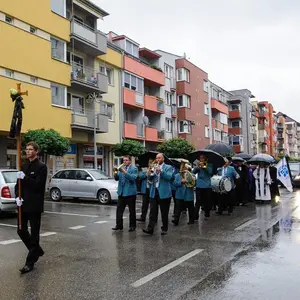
{"type": "Point", "coordinates": [297, 177]}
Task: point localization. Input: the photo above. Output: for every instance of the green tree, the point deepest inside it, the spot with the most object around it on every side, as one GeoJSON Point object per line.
{"type": "Point", "coordinates": [176, 148]}
{"type": "Point", "coordinates": [50, 141]}
{"type": "Point", "coordinates": [129, 147]}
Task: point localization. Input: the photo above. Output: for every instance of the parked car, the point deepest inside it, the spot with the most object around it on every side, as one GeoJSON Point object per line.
{"type": "Point", "coordinates": [8, 179]}
{"type": "Point", "coordinates": [83, 183]}
{"type": "Point", "coordinates": [295, 172]}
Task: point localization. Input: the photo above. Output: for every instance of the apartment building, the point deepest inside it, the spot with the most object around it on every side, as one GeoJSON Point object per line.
{"type": "Point", "coordinates": [281, 135]}
{"type": "Point", "coordinates": [143, 108]}
{"type": "Point", "coordinates": [217, 110]}
{"type": "Point", "coordinates": [242, 122]}
{"type": "Point", "coordinates": [27, 58]}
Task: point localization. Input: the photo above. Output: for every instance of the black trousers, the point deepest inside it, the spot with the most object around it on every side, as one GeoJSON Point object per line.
{"type": "Point", "coordinates": [227, 202]}
{"type": "Point", "coordinates": [164, 205]}
{"type": "Point", "coordinates": [204, 200]}
{"type": "Point", "coordinates": [242, 193]}
{"type": "Point", "coordinates": [32, 239]}
{"type": "Point", "coordinates": [180, 206]}
{"type": "Point", "coordinates": [122, 202]}
{"type": "Point", "coordinates": [145, 205]}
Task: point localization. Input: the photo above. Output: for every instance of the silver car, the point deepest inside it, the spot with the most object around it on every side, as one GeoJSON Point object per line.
{"type": "Point", "coordinates": [8, 179]}
{"type": "Point", "coordinates": [83, 183]}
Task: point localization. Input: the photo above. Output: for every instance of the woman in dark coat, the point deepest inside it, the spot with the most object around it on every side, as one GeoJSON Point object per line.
{"type": "Point", "coordinates": [274, 185]}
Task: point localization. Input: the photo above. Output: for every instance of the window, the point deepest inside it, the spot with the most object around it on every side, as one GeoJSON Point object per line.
{"type": "Point", "coordinates": [59, 95]}
{"type": "Point", "coordinates": [8, 19]}
{"type": "Point", "coordinates": [214, 93]}
{"type": "Point", "coordinates": [169, 125]}
{"type": "Point", "coordinates": [183, 75]}
{"type": "Point", "coordinates": [206, 109]}
{"type": "Point", "coordinates": [32, 29]}
{"type": "Point", "coordinates": [234, 107]}
{"type": "Point", "coordinates": [184, 101]}
{"type": "Point", "coordinates": [169, 98]}
{"type": "Point", "coordinates": [81, 175]}
{"type": "Point", "coordinates": [168, 71]}
{"type": "Point", "coordinates": [132, 48]}
{"type": "Point", "coordinates": [59, 7]}
{"type": "Point", "coordinates": [77, 104]}
{"type": "Point", "coordinates": [206, 132]}
{"type": "Point", "coordinates": [235, 124]}
{"type": "Point", "coordinates": [223, 118]}
{"type": "Point", "coordinates": [33, 79]}
{"type": "Point", "coordinates": [109, 72]}
{"type": "Point", "coordinates": [107, 109]}
{"type": "Point", "coordinates": [184, 127]}
{"type": "Point", "coordinates": [58, 49]}
{"type": "Point", "coordinates": [134, 83]}
{"type": "Point", "coordinates": [9, 73]}
{"type": "Point", "coordinates": [217, 135]}
{"type": "Point", "coordinates": [236, 140]}
{"type": "Point", "coordinates": [205, 86]}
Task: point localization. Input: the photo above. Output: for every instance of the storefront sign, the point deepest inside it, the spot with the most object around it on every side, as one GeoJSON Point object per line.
{"type": "Point", "coordinates": [72, 149]}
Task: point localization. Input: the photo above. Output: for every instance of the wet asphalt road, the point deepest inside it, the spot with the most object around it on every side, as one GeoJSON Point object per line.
{"type": "Point", "coordinates": [227, 257]}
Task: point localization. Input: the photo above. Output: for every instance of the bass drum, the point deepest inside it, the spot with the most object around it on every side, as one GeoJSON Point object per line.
{"type": "Point", "coordinates": [221, 184]}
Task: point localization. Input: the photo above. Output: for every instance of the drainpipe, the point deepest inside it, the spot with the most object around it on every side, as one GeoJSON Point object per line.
{"type": "Point", "coordinates": [121, 101]}
{"type": "Point", "coordinates": [209, 113]}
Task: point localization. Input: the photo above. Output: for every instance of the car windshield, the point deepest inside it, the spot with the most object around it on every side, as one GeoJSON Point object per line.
{"type": "Point", "coordinates": [294, 167]}
{"type": "Point", "coordinates": [10, 176]}
{"type": "Point", "coordinates": [98, 175]}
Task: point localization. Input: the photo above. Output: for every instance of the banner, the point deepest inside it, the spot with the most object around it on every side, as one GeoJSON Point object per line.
{"type": "Point", "coordinates": [283, 174]}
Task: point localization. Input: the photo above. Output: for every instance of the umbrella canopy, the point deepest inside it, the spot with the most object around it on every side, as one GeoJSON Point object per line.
{"type": "Point", "coordinates": [176, 162]}
{"type": "Point", "coordinates": [244, 156]}
{"type": "Point", "coordinates": [261, 158]}
{"type": "Point", "coordinates": [236, 158]}
{"type": "Point", "coordinates": [221, 148]}
{"type": "Point", "coordinates": [213, 157]}
{"type": "Point", "coordinates": [144, 158]}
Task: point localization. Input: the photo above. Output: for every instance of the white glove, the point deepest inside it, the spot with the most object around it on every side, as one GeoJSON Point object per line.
{"type": "Point", "coordinates": [20, 175]}
{"type": "Point", "coordinates": [19, 202]}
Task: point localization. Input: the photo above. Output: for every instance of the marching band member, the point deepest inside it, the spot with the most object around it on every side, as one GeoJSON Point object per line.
{"type": "Point", "coordinates": [160, 194]}
{"type": "Point", "coordinates": [204, 172]}
{"type": "Point", "coordinates": [263, 182]}
{"type": "Point", "coordinates": [145, 190]}
{"type": "Point", "coordinates": [227, 200]}
{"type": "Point", "coordinates": [242, 184]}
{"type": "Point", "coordinates": [184, 182]}
{"type": "Point", "coordinates": [126, 175]}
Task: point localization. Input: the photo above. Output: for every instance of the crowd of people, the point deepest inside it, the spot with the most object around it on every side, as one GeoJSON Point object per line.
{"type": "Point", "coordinates": [161, 182]}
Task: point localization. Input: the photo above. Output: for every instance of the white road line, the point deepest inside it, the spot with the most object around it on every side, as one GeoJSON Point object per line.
{"type": "Point", "coordinates": [77, 227]}
{"type": "Point", "coordinates": [70, 214]}
{"type": "Point", "coordinates": [12, 241]}
{"type": "Point", "coordinates": [166, 268]}
{"type": "Point", "coordinates": [101, 222]}
{"type": "Point", "coordinates": [80, 204]}
{"type": "Point", "coordinates": [245, 224]}
{"type": "Point", "coordinates": [47, 233]}
{"type": "Point", "coordinates": [8, 225]}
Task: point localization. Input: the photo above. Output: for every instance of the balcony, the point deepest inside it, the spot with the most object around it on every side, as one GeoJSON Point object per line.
{"type": "Point", "coordinates": [133, 98]}
{"type": "Point", "coordinates": [86, 121]}
{"type": "Point", "coordinates": [87, 39]}
{"type": "Point", "coordinates": [237, 148]}
{"type": "Point", "coordinates": [150, 75]}
{"type": "Point", "coordinates": [234, 114]}
{"type": "Point", "coordinates": [161, 134]}
{"type": "Point", "coordinates": [151, 134]}
{"type": "Point", "coordinates": [88, 80]}
{"type": "Point", "coordinates": [173, 111]}
{"type": "Point", "coordinates": [154, 104]}
{"type": "Point", "coordinates": [219, 106]}
{"type": "Point", "coordinates": [133, 131]}
{"type": "Point", "coordinates": [235, 130]}
{"type": "Point", "coordinates": [263, 114]}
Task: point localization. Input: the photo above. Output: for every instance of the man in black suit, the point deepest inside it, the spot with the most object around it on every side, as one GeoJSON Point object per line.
{"type": "Point", "coordinates": [33, 180]}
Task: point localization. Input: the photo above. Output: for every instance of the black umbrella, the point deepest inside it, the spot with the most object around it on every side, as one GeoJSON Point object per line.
{"type": "Point", "coordinates": [244, 156]}
{"type": "Point", "coordinates": [213, 157]}
{"type": "Point", "coordinates": [221, 148]}
{"type": "Point", "coordinates": [236, 158]}
{"type": "Point", "coordinates": [176, 162]}
{"type": "Point", "coordinates": [143, 159]}
{"type": "Point", "coordinates": [261, 158]}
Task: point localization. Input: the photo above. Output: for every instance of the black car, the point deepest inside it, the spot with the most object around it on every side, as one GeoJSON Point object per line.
{"type": "Point", "coordinates": [295, 172]}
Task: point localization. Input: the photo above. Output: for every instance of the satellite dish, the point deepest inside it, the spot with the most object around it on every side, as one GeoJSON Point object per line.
{"type": "Point", "coordinates": [146, 120]}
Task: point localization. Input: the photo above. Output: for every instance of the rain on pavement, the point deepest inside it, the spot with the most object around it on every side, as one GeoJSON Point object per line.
{"type": "Point", "coordinates": [249, 255]}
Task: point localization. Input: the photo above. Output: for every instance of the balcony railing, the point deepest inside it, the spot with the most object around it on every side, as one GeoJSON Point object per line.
{"type": "Point", "coordinates": [84, 74]}
{"type": "Point", "coordinates": [160, 105]}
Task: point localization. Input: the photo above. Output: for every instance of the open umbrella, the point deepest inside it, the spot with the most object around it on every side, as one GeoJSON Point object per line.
{"type": "Point", "coordinates": [213, 157]}
{"type": "Point", "coordinates": [261, 158]}
{"type": "Point", "coordinates": [244, 156]}
{"type": "Point", "coordinates": [221, 148]}
{"type": "Point", "coordinates": [236, 158]}
{"type": "Point", "coordinates": [176, 162]}
{"type": "Point", "coordinates": [144, 158]}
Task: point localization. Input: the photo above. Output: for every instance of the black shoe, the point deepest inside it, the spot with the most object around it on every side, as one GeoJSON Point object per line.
{"type": "Point", "coordinates": [131, 229]}
{"type": "Point", "coordinates": [117, 228]}
{"type": "Point", "coordinates": [163, 232]}
{"type": "Point", "coordinates": [191, 223]}
{"type": "Point", "coordinates": [41, 253]}
{"type": "Point", "coordinates": [148, 231]}
{"type": "Point", "coordinates": [26, 269]}
{"type": "Point", "coordinates": [175, 222]}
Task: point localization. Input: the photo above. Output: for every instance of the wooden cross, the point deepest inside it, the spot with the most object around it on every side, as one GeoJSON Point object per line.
{"type": "Point", "coordinates": [19, 90]}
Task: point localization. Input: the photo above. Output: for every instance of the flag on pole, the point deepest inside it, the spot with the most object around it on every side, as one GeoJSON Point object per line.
{"type": "Point", "coordinates": [283, 174]}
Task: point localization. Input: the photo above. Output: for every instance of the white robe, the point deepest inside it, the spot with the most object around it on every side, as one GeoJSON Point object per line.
{"type": "Point", "coordinates": [262, 184]}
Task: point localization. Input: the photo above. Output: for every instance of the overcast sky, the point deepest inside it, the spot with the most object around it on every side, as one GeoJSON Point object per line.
{"type": "Point", "coordinates": [253, 44]}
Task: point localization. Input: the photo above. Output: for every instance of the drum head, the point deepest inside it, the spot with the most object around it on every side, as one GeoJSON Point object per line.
{"type": "Point", "coordinates": [227, 185]}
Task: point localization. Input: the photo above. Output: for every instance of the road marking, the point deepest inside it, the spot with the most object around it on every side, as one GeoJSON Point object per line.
{"type": "Point", "coordinates": [166, 268]}
{"type": "Point", "coordinates": [47, 233]}
{"type": "Point", "coordinates": [81, 204]}
{"type": "Point", "coordinates": [12, 241]}
{"type": "Point", "coordinates": [8, 225]}
{"type": "Point", "coordinates": [245, 224]}
{"type": "Point", "coordinates": [77, 227]}
{"type": "Point", "coordinates": [71, 214]}
{"type": "Point", "coordinates": [101, 222]}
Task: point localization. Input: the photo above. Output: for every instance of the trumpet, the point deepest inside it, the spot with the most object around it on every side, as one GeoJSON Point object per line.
{"type": "Point", "coordinates": [202, 165]}
{"type": "Point", "coordinates": [117, 169]}
{"type": "Point", "coordinates": [151, 168]}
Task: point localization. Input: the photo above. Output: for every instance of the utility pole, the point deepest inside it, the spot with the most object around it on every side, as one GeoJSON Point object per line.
{"type": "Point", "coordinates": [95, 136]}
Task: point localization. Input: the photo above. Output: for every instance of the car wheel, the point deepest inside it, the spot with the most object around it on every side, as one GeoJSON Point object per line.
{"type": "Point", "coordinates": [104, 197]}
{"type": "Point", "coordinates": [55, 194]}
